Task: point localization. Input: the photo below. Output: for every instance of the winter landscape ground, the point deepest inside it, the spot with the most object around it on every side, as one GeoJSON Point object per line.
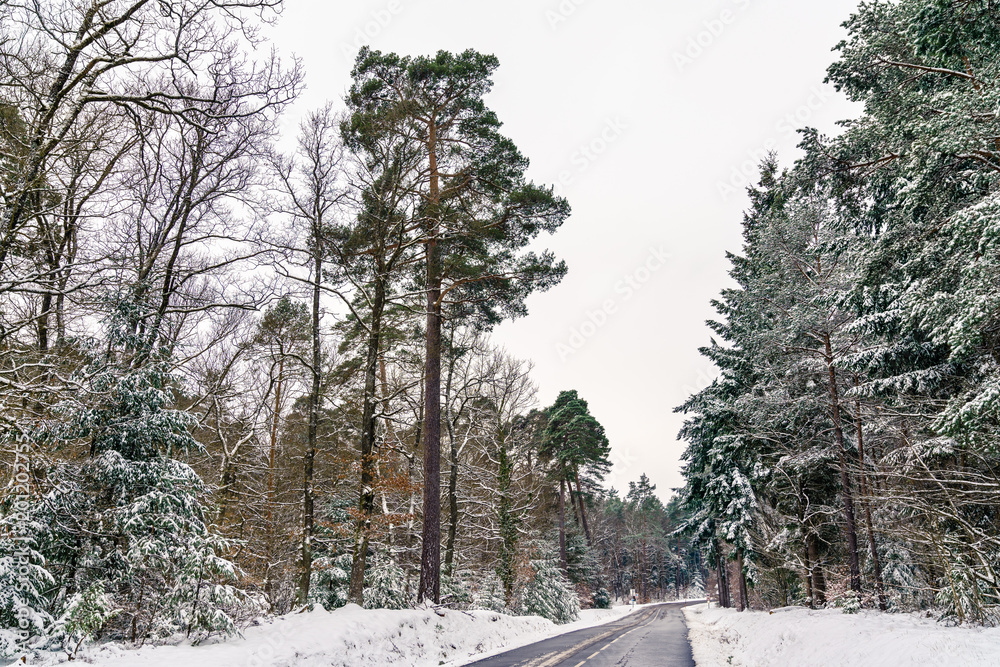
{"type": "Point", "coordinates": [349, 637]}
{"type": "Point", "coordinates": [831, 638]}
{"type": "Point", "coordinates": [352, 636]}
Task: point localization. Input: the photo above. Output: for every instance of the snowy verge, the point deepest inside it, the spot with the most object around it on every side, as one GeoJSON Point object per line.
{"type": "Point", "coordinates": [351, 637]}
{"type": "Point", "coordinates": [830, 638]}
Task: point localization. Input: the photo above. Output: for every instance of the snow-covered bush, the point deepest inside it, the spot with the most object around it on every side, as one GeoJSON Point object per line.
{"type": "Point", "coordinates": [550, 594]}
{"type": "Point", "coordinates": [696, 589]}
{"type": "Point", "coordinates": [903, 577]}
{"type": "Point", "coordinates": [966, 598]}
{"type": "Point", "coordinates": [850, 603]}
{"type": "Point", "coordinates": [23, 578]}
{"type": "Point", "coordinates": [85, 616]}
{"type": "Point", "coordinates": [455, 592]}
{"type": "Point", "coordinates": [331, 580]}
{"type": "Point", "coordinates": [489, 596]}
{"type": "Point", "coordinates": [602, 599]}
{"type": "Point", "coordinates": [385, 586]}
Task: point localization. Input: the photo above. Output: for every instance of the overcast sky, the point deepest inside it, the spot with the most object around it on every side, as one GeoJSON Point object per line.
{"type": "Point", "coordinates": [649, 116]}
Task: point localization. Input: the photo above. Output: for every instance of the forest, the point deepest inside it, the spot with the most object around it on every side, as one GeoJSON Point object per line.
{"type": "Point", "coordinates": [848, 454]}
{"type": "Point", "coordinates": [243, 373]}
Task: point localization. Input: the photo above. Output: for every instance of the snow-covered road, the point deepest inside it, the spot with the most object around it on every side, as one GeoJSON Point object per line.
{"type": "Point", "coordinates": [651, 637]}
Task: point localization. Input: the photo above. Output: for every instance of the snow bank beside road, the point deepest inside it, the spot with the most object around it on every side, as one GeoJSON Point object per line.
{"type": "Point", "coordinates": [353, 637]}
{"type": "Point", "coordinates": [830, 638]}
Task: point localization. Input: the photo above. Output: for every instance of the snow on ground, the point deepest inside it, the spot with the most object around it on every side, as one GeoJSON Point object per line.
{"type": "Point", "coordinates": [830, 638]}
{"type": "Point", "coordinates": [353, 637]}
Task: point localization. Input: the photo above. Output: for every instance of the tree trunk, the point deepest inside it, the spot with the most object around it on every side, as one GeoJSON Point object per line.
{"type": "Point", "coordinates": [744, 601]}
{"type": "Point", "coordinates": [309, 458]}
{"type": "Point", "coordinates": [449, 418]}
{"type": "Point", "coordinates": [272, 458]}
{"type": "Point", "coordinates": [818, 579]}
{"type": "Point", "coordinates": [583, 511]}
{"type": "Point", "coordinates": [723, 580]}
{"type": "Point", "coordinates": [809, 578]}
{"type": "Point", "coordinates": [366, 502]}
{"type": "Point", "coordinates": [430, 554]}
{"type": "Point", "coordinates": [449, 553]}
{"type": "Point", "coordinates": [508, 528]}
{"type": "Point", "coordinates": [563, 561]}
{"type": "Point", "coordinates": [872, 546]}
{"type": "Point", "coordinates": [800, 497]}
{"type": "Point", "coordinates": [845, 482]}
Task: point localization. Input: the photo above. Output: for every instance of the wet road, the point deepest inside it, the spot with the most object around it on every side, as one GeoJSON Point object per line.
{"type": "Point", "coordinates": [653, 636]}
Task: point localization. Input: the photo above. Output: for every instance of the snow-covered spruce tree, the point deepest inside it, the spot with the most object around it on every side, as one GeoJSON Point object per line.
{"type": "Point", "coordinates": [549, 593]}
{"type": "Point", "coordinates": [385, 585]}
{"type": "Point", "coordinates": [128, 517]}
{"type": "Point", "coordinates": [24, 580]}
{"type": "Point", "coordinates": [331, 579]}
{"type": "Point", "coordinates": [920, 171]}
{"type": "Point", "coordinates": [85, 616]}
{"type": "Point", "coordinates": [602, 599]}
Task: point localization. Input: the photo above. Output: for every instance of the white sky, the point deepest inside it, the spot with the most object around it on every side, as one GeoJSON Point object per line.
{"type": "Point", "coordinates": [670, 123]}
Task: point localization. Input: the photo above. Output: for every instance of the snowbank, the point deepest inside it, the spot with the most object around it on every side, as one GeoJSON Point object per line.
{"type": "Point", "coordinates": [353, 637]}
{"type": "Point", "coordinates": [830, 638]}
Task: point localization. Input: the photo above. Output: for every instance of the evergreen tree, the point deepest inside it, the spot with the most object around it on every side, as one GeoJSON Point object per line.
{"type": "Point", "coordinates": [574, 441]}
{"type": "Point", "coordinates": [476, 211]}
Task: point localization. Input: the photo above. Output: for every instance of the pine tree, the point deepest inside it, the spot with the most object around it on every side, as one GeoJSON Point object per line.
{"type": "Point", "coordinates": [477, 213]}
{"type": "Point", "coordinates": [574, 441]}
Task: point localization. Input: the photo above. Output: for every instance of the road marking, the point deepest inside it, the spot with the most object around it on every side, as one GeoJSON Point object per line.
{"type": "Point", "coordinates": [655, 616]}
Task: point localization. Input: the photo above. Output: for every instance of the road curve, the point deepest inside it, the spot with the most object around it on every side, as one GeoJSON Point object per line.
{"type": "Point", "coordinates": [654, 636]}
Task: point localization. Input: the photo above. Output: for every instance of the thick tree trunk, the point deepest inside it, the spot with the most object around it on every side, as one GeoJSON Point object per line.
{"type": "Point", "coordinates": [722, 581]}
{"type": "Point", "coordinates": [744, 601]}
{"type": "Point", "coordinates": [563, 560]}
{"type": "Point", "coordinates": [845, 481]}
{"type": "Point", "coordinates": [366, 502]}
{"type": "Point", "coordinates": [430, 555]}
{"type": "Point", "coordinates": [818, 579]}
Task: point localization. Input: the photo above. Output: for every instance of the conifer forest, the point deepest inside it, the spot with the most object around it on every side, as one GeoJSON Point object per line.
{"type": "Point", "coordinates": [247, 366]}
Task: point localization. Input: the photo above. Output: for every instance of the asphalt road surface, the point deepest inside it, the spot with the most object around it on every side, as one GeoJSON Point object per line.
{"type": "Point", "coordinates": [653, 636]}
